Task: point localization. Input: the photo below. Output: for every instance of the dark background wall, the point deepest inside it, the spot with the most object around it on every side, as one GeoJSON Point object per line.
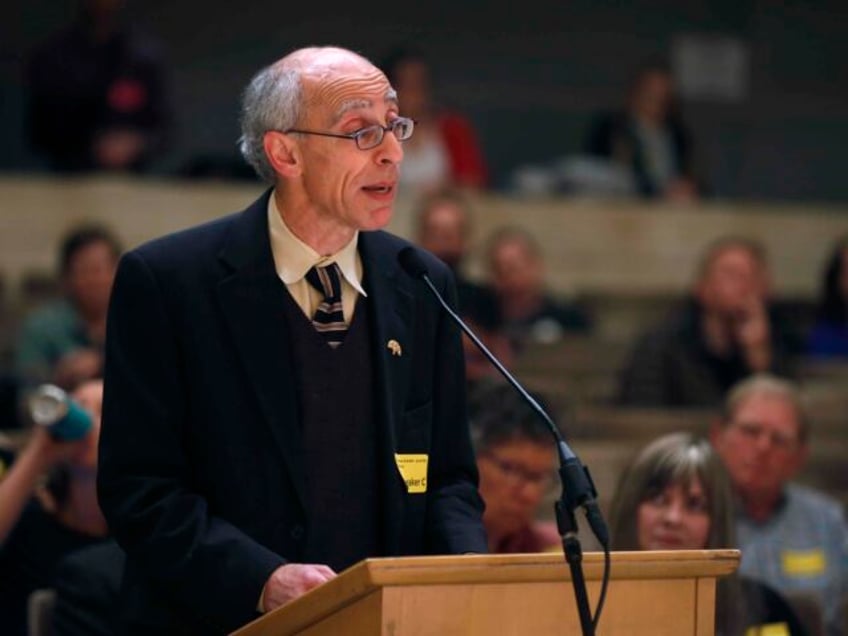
{"type": "Point", "coordinates": [530, 74]}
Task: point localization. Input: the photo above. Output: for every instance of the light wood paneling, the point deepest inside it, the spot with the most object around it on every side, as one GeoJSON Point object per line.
{"type": "Point", "coordinates": [592, 246]}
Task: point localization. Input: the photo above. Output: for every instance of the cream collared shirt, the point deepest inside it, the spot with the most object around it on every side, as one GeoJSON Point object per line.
{"type": "Point", "coordinates": [293, 258]}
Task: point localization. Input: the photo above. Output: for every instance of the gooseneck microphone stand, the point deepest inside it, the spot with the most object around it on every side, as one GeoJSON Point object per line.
{"type": "Point", "coordinates": [577, 487]}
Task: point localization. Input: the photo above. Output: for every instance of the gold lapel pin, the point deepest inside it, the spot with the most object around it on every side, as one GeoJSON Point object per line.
{"type": "Point", "coordinates": [394, 346]}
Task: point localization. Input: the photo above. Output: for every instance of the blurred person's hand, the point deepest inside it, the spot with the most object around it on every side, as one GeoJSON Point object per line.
{"type": "Point", "coordinates": [752, 333]}
{"type": "Point", "coordinates": [50, 452]}
{"type": "Point", "coordinates": [89, 396]}
{"type": "Point", "coordinates": [77, 366]}
{"type": "Point", "coordinates": [41, 454]}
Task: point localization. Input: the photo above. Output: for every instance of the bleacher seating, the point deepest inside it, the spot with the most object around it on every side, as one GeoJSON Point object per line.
{"type": "Point", "coordinates": [596, 248]}
{"type": "Point", "coordinates": [628, 262]}
{"type": "Point", "coordinates": [578, 374]}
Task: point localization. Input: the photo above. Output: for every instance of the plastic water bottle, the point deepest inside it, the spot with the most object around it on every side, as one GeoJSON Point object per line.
{"type": "Point", "coordinates": [51, 407]}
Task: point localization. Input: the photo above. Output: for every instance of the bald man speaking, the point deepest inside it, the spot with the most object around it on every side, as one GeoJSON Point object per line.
{"type": "Point", "coordinates": [282, 400]}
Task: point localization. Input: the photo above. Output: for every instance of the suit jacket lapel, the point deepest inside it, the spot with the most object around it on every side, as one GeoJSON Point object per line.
{"type": "Point", "coordinates": [390, 293]}
{"type": "Point", "coordinates": [250, 296]}
{"type": "Point", "coordinates": [252, 301]}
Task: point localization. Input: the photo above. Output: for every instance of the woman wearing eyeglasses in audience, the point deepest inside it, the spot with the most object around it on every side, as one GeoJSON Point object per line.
{"type": "Point", "coordinates": [516, 460]}
{"type": "Point", "coordinates": [675, 495]}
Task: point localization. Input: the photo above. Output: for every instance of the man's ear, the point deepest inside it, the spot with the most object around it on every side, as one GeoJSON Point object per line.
{"type": "Point", "coordinates": [283, 154]}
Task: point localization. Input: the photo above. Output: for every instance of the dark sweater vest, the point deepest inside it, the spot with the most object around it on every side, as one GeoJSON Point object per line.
{"type": "Point", "coordinates": [335, 394]}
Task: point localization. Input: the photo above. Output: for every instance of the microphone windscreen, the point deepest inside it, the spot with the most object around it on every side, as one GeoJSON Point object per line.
{"type": "Point", "coordinates": [412, 263]}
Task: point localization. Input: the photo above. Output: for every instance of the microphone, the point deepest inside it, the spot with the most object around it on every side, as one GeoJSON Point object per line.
{"type": "Point", "coordinates": [578, 489]}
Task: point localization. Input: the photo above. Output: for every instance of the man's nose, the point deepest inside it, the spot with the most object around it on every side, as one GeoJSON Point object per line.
{"type": "Point", "coordinates": [763, 441]}
{"type": "Point", "coordinates": [673, 513]}
{"type": "Point", "coordinates": [390, 150]}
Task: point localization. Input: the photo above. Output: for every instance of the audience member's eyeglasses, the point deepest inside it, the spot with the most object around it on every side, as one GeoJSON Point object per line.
{"type": "Point", "coordinates": [754, 431]}
{"type": "Point", "coordinates": [518, 475]}
{"type": "Point", "coordinates": [370, 136]}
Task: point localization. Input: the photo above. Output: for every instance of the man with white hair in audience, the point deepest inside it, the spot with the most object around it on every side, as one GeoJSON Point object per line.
{"type": "Point", "coordinates": [792, 537]}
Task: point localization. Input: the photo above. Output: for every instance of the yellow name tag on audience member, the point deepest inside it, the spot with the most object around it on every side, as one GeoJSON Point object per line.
{"type": "Point", "coordinates": [803, 562]}
{"type": "Point", "coordinates": [413, 469]}
{"type": "Point", "coordinates": [769, 629]}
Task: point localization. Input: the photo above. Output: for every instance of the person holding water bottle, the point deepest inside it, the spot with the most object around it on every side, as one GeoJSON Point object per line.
{"type": "Point", "coordinates": [48, 500]}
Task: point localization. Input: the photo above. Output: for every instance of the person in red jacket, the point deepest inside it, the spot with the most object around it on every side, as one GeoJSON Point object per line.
{"type": "Point", "coordinates": [445, 150]}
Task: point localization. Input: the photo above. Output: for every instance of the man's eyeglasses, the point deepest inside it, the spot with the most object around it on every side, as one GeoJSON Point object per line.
{"type": "Point", "coordinates": [753, 431]}
{"type": "Point", "coordinates": [370, 136]}
{"type": "Point", "coordinates": [517, 475]}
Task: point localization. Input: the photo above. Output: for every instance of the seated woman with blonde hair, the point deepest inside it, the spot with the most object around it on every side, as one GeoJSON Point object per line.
{"type": "Point", "coordinates": [675, 495]}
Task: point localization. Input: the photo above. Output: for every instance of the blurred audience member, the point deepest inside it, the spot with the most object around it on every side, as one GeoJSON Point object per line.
{"type": "Point", "coordinates": [444, 228]}
{"type": "Point", "coordinates": [444, 150]}
{"type": "Point", "coordinates": [675, 495]}
{"type": "Point", "coordinates": [517, 274]}
{"type": "Point", "coordinates": [724, 333]}
{"type": "Point", "coordinates": [97, 95]}
{"type": "Point", "coordinates": [649, 138]}
{"type": "Point", "coordinates": [829, 336]}
{"type": "Point", "coordinates": [517, 463]}
{"type": "Point", "coordinates": [480, 374]}
{"type": "Point", "coordinates": [41, 524]}
{"type": "Point", "coordinates": [63, 341]}
{"type": "Point", "coordinates": [792, 537]}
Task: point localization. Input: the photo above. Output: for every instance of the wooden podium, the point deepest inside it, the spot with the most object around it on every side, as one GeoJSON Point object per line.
{"type": "Point", "coordinates": [656, 593]}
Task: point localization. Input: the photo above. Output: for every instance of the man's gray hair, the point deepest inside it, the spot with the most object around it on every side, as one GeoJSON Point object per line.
{"type": "Point", "coordinates": [770, 385]}
{"type": "Point", "coordinates": [272, 101]}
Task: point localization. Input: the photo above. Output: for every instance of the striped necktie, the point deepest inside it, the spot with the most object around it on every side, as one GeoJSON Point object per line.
{"type": "Point", "coordinates": [329, 317]}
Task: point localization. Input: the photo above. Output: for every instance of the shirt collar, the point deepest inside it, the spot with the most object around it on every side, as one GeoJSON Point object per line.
{"type": "Point", "coordinates": [780, 506]}
{"type": "Point", "coordinates": [293, 258]}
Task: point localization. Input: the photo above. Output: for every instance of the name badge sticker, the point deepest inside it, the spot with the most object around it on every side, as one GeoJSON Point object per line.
{"type": "Point", "coordinates": [769, 629]}
{"type": "Point", "coordinates": [803, 563]}
{"type": "Point", "coordinates": [413, 469]}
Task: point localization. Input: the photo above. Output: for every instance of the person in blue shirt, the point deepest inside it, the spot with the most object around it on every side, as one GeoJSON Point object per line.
{"type": "Point", "coordinates": [792, 537]}
{"type": "Point", "coordinates": [62, 341]}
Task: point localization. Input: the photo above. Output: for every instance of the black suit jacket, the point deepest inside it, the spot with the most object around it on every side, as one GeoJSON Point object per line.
{"type": "Point", "coordinates": [201, 477]}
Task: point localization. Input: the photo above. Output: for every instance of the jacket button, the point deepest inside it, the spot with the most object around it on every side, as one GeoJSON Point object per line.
{"type": "Point", "coordinates": [297, 532]}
